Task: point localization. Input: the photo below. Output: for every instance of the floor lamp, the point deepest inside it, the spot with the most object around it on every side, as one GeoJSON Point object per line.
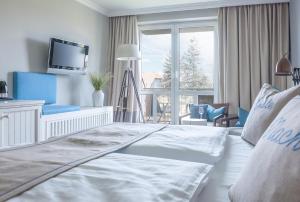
{"type": "Point", "coordinates": [127, 52]}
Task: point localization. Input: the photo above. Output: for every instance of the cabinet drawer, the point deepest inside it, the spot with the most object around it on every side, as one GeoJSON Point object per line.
{"type": "Point", "coordinates": [18, 127]}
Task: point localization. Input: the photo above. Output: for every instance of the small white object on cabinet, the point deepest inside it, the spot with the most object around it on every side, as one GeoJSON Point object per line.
{"type": "Point", "coordinates": [19, 122]}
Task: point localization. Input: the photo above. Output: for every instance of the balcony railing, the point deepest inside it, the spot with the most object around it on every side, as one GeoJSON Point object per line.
{"type": "Point", "coordinates": [158, 105]}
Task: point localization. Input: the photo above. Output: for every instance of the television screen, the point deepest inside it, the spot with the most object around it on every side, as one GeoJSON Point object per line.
{"type": "Point", "coordinates": [67, 57]}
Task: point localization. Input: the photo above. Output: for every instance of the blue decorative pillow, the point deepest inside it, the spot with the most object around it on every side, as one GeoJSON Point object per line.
{"type": "Point", "coordinates": [213, 112]}
{"type": "Point", "coordinates": [243, 115]}
{"type": "Point", "coordinates": [194, 109]}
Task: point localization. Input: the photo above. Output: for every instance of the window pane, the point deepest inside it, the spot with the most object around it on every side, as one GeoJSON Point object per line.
{"type": "Point", "coordinates": [156, 58]}
{"type": "Point", "coordinates": [164, 109]}
{"type": "Point", "coordinates": [185, 100]}
{"type": "Point", "coordinates": [196, 58]}
{"type": "Point", "coordinates": [206, 99]}
{"type": "Point", "coordinates": [157, 108]}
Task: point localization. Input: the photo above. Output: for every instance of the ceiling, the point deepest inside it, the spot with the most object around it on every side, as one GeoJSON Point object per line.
{"type": "Point", "coordinates": [136, 7]}
{"type": "Point", "coordinates": [142, 4]}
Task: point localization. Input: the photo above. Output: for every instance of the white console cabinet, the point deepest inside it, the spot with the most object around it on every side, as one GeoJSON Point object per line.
{"type": "Point", "coordinates": [19, 122]}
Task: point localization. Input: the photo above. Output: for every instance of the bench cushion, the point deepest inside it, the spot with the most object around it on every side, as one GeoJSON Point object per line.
{"type": "Point", "coordinates": [54, 109]}
{"type": "Point", "coordinates": [34, 86]}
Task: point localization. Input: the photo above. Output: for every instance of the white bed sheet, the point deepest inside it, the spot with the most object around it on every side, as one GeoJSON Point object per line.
{"type": "Point", "coordinates": [227, 171]}
{"type": "Point", "coordinates": [123, 178]}
{"type": "Point", "coordinates": [189, 143]}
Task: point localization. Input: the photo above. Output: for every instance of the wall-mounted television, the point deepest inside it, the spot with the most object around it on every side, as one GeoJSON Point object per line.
{"type": "Point", "coordinates": [67, 57]}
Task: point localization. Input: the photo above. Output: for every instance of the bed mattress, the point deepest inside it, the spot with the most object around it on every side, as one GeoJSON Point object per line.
{"type": "Point", "coordinates": [227, 171]}
{"type": "Point", "coordinates": [188, 143]}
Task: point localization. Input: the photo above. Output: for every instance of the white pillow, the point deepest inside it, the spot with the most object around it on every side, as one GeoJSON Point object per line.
{"type": "Point", "coordinates": [266, 106]}
{"type": "Point", "coordinates": [273, 170]}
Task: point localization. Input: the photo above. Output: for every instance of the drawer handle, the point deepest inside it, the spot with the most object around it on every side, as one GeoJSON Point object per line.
{"type": "Point", "coordinates": [4, 117]}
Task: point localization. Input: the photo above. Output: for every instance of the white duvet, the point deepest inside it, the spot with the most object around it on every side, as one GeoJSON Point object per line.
{"type": "Point", "coordinates": [189, 143]}
{"type": "Point", "coordinates": [123, 178]}
{"type": "Point", "coordinates": [227, 171]}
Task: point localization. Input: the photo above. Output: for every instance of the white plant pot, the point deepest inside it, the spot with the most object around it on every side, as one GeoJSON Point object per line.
{"type": "Point", "coordinates": [98, 98]}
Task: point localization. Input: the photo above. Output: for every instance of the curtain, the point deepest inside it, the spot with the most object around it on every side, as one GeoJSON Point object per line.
{"type": "Point", "coordinates": [251, 41]}
{"type": "Point", "coordinates": [123, 30]}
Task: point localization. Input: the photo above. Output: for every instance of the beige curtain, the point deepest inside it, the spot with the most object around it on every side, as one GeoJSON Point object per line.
{"type": "Point", "coordinates": [251, 40]}
{"type": "Point", "coordinates": [122, 30]}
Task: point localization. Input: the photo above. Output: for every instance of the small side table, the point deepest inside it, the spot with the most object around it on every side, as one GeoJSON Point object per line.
{"type": "Point", "coordinates": [190, 121]}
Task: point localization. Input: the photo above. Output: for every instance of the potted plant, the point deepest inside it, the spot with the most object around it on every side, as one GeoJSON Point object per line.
{"type": "Point", "coordinates": [98, 82]}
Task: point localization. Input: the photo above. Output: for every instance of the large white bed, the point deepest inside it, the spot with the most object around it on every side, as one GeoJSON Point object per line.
{"type": "Point", "coordinates": [139, 177]}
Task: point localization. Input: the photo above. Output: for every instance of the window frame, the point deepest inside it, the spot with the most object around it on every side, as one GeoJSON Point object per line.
{"type": "Point", "coordinates": [175, 92]}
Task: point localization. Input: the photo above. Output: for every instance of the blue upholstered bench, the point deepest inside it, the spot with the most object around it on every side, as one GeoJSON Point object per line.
{"type": "Point", "coordinates": [39, 86]}
{"type": "Point", "coordinates": [54, 109]}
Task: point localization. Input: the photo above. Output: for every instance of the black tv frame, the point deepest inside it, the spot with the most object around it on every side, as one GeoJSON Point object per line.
{"type": "Point", "coordinates": [66, 69]}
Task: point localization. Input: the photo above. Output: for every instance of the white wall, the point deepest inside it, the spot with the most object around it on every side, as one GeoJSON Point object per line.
{"type": "Point", "coordinates": [295, 31]}
{"type": "Point", "coordinates": [25, 29]}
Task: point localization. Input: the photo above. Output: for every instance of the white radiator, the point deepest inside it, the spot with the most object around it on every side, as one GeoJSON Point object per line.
{"type": "Point", "coordinates": [72, 122]}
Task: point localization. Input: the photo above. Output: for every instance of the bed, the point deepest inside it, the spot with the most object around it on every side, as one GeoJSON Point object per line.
{"type": "Point", "coordinates": [183, 142]}
{"type": "Point", "coordinates": [116, 176]}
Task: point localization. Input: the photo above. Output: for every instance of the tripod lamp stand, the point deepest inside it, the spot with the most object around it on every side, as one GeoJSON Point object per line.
{"type": "Point", "coordinates": [127, 52]}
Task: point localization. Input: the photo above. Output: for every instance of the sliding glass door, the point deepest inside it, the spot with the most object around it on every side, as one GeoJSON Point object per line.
{"type": "Point", "coordinates": [178, 65]}
{"type": "Point", "coordinates": [196, 66]}
{"type": "Point", "coordinates": [156, 46]}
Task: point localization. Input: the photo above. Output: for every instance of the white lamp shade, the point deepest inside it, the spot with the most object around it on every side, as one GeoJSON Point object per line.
{"type": "Point", "coordinates": [128, 52]}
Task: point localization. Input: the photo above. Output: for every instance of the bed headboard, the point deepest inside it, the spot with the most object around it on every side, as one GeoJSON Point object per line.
{"type": "Point", "coordinates": [34, 86]}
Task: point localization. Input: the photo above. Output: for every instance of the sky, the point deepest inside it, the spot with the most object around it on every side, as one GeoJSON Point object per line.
{"type": "Point", "coordinates": [155, 49]}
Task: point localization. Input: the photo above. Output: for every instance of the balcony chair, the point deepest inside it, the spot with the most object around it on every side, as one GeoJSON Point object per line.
{"type": "Point", "coordinates": [161, 109]}
{"type": "Point", "coordinates": [218, 120]}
